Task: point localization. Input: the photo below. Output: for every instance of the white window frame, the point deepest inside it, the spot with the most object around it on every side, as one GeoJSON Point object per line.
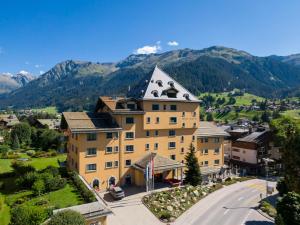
{"type": "Point", "coordinates": [169, 144]}
{"type": "Point", "coordinates": [91, 170]}
{"type": "Point", "coordinates": [109, 152]}
{"type": "Point", "coordinates": [129, 138]}
{"type": "Point", "coordinates": [87, 152]}
{"type": "Point", "coordinates": [108, 167]}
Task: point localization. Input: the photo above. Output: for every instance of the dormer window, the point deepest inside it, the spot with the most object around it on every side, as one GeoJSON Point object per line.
{"type": "Point", "coordinates": [155, 93]}
{"type": "Point", "coordinates": [171, 83]}
{"type": "Point", "coordinates": [159, 83]}
{"type": "Point", "coordinates": [171, 93]}
{"type": "Point", "coordinates": [186, 96]}
{"type": "Point", "coordinates": [131, 106]}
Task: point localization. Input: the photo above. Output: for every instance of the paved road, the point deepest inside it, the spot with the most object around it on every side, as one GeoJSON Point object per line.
{"type": "Point", "coordinates": [233, 205]}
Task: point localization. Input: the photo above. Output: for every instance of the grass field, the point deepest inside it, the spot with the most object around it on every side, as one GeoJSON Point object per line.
{"type": "Point", "coordinates": [50, 110]}
{"type": "Point", "coordinates": [293, 113]}
{"type": "Point", "coordinates": [64, 197]}
{"type": "Point", "coordinates": [38, 163]}
{"type": "Point", "coordinates": [246, 99]}
{"type": "Point", "coordinates": [233, 116]}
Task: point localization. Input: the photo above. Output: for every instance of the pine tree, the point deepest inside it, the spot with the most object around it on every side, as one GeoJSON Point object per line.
{"type": "Point", "coordinates": [15, 142]}
{"type": "Point", "coordinates": [192, 174]}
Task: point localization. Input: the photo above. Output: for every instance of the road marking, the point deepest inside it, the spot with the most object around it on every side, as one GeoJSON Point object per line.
{"type": "Point", "coordinates": [226, 211]}
{"type": "Point", "coordinates": [248, 214]}
{"type": "Point", "coordinates": [241, 198]}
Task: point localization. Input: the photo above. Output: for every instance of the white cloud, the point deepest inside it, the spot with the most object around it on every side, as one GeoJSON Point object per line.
{"type": "Point", "coordinates": [173, 43]}
{"type": "Point", "coordinates": [42, 72]}
{"type": "Point", "coordinates": [38, 66]}
{"type": "Point", "coordinates": [148, 49]}
{"type": "Point", "coordinates": [8, 74]}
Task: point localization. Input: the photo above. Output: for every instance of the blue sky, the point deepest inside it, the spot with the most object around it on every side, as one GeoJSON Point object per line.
{"type": "Point", "coordinates": [35, 35]}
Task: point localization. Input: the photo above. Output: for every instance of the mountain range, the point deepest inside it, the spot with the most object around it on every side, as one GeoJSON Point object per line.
{"type": "Point", "coordinates": [10, 82]}
{"type": "Point", "coordinates": [75, 85]}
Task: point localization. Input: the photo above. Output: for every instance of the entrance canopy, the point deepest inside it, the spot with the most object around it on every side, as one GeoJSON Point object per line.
{"type": "Point", "coordinates": [161, 163]}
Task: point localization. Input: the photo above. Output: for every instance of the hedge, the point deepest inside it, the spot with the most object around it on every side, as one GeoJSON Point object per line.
{"type": "Point", "coordinates": [86, 194]}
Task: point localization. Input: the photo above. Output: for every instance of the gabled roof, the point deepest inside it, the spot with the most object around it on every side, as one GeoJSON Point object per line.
{"type": "Point", "coordinates": [209, 129]}
{"type": "Point", "coordinates": [160, 163]}
{"type": "Point", "coordinates": [155, 85]}
{"type": "Point", "coordinates": [88, 122]}
{"type": "Point", "coordinates": [256, 137]}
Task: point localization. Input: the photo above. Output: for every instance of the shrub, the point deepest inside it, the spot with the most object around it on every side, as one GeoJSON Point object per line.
{"type": "Point", "coordinates": [20, 168]}
{"type": "Point", "coordinates": [281, 187]}
{"type": "Point", "coordinates": [38, 187]}
{"type": "Point", "coordinates": [27, 180]}
{"type": "Point", "coordinates": [30, 153]}
{"type": "Point", "coordinates": [165, 215]}
{"type": "Point", "coordinates": [4, 148]}
{"type": "Point", "coordinates": [52, 170]}
{"type": "Point", "coordinates": [42, 202]}
{"type": "Point", "coordinates": [55, 183]}
{"type": "Point", "coordinates": [86, 194]}
{"type": "Point", "coordinates": [29, 215]}
{"type": "Point", "coordinates": [67, 217]}
{"type": "Point", "coordinates": [268, 208]}
{"type": "Point", "coordinates": [288, 209]}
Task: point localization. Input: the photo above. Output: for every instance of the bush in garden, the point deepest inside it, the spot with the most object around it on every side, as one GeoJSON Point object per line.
{"type": "Point", "coordinates": [4, 148]}
{"type": "Point", "coordinates": [27, 180]}
{"type": "Point", "coordinates": [55, 183]}
{"type": "Point", "coordinates": [29, 215]}
{"type": "Point", "coordinates": [67, 217]}
{"type": "Point", "coordinates": [38, 187]}
{"type": "Point", "coordinates": [30, 153]}
{"type": "Point", "coordinates": [288, 209]}
{"type": "Point", "coordinates": [21, 168]}
{"type": "Point", "coordinates": [52, 170]}
{"type": "Point", "coordinates": [86, 194]}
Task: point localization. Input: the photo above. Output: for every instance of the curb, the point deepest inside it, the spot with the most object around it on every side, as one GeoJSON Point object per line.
{"type": "Point", "coordinates": [265, 215]}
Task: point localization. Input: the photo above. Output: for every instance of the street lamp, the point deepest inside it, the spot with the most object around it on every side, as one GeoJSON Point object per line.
{"type": "Point", "coordinates": [267, 160]}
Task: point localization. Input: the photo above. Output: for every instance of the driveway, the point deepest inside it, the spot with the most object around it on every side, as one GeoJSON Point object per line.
{"type": "Point", "coordinates": [130, 210]}
{"type": "Point", "coordinates": [232, 205]}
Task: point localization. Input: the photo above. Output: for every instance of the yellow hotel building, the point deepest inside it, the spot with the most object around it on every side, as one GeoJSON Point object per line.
{"type": "Point", "coordinates": [111, 146]}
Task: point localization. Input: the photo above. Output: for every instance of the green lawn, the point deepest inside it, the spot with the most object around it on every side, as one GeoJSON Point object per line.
{"type": "Point", "coordinates": [38, 163]}
{"type": "Point", "coordinates": [246, 99]}
{"type": "Point", "coordinates": [49, 109]}
{"type": "Point", "coordinates": [67, 196]}
{"type": "Point", "coordinates": [233, 116]}
{"type": "Point", "coordinates": [293, 113]}
{"type": "Point", "coordinates": [61, 198]}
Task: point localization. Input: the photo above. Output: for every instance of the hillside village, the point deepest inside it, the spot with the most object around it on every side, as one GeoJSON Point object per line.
{"type": "Point", "coordinates": [159, 127]}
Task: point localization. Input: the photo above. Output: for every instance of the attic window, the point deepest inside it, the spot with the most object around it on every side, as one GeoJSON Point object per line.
{"type": "Point", "coordinates": [187, 96]}
{"type": "Point", "coordinates": [171, 83]}
{"type": "Point", "coordinates": [159, 83]}
{"type": "Point", "coordinates": [155, 93]}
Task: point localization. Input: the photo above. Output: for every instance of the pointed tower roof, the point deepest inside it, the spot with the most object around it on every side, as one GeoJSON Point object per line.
{"type": "Point", "coordinates": [160, 86]}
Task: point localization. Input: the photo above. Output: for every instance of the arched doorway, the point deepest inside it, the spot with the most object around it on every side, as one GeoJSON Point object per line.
{"type": "Point", "coordinates": [111, 181]}
{"type": "Point", "coordinates": [96, 184]}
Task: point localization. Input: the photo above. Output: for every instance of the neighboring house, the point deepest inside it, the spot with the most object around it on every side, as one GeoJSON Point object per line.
{"type": "Point", "coordinates": [7, 121]}
{"type": "Point", "coordinates": [210, 146]}
{"type": "Point", "coordinates": [52, 124]}
{"type": "Point", "coordinates": [94, 213]}
{"type": "Point", "coordinates": [248, 152]}
{"type": "Point", "coordinates": [158, 120]}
